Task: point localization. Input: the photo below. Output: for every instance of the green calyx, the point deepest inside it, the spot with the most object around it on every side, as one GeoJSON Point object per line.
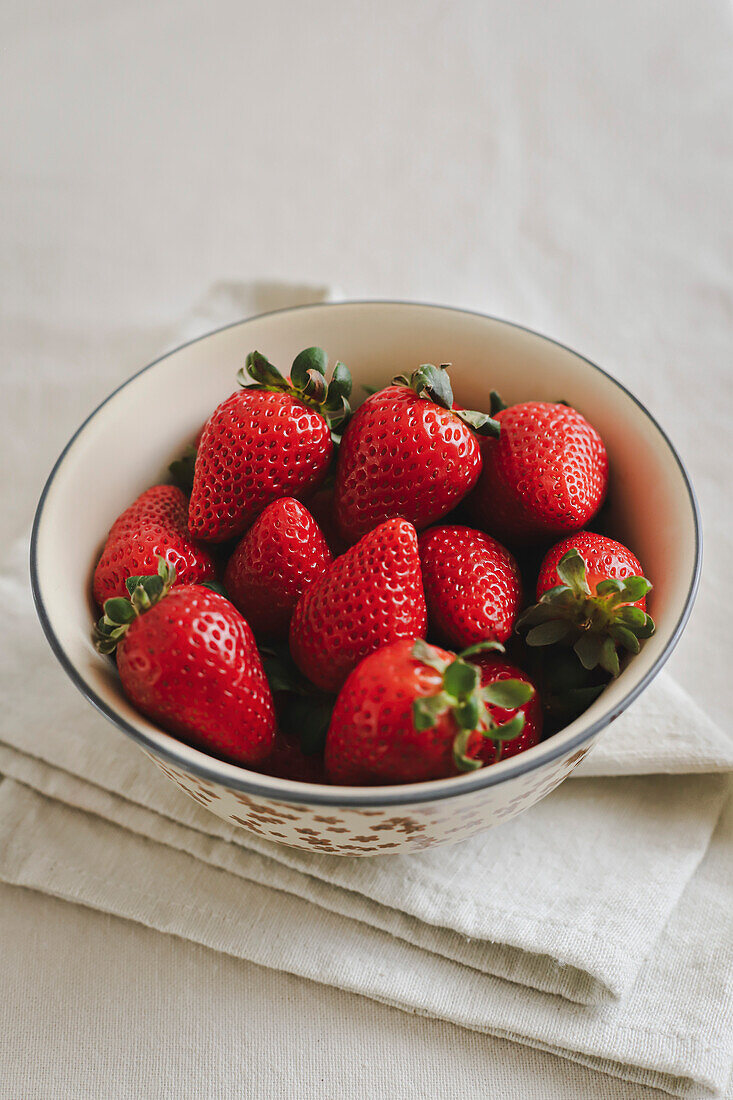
{"type": "Point", "coordinates": [433, 384]}
{"type": "Point", "coordinates": [307, 382]}
{"type": "Point", "coordinates": [182, 469]}
{"type": "Point", "coordinates": [463, 697]}
{"type": "Point", "coordinates": [119, 612]}
{"type": "Point", "coordinates": [594, 625]}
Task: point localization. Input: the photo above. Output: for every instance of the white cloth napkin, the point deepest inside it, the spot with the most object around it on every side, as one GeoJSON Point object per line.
{"type": "Point", "coordinates": [593, 901]}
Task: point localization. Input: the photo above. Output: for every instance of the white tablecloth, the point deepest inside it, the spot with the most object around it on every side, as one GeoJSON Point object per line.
{"type": "Point", "coordinates": [567, 166]}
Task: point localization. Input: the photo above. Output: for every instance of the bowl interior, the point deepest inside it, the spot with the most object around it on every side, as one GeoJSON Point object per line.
{"type": "Point", "coordinates": [128, 442]}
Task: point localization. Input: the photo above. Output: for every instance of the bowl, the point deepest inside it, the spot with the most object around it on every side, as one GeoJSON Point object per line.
{"type": "Point", "coordinates": [126, 444]}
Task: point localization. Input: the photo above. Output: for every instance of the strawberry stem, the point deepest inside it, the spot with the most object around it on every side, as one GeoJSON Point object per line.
{"type": "Point", "coordinates": [596, 626]}
{"type": "Point", "coordinates": [433, 383]}
{"type": "Point", "coordinates": [307, 382]}
{"type": "Point", "coordinates": [468, 702]}
{"type": "Point", "coordinates": [119, 612]}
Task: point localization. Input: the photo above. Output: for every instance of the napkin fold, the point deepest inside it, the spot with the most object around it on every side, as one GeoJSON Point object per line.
{"type": "Point", "coordinates": [673, 1030]}
{"type": "Point", "coordinates": [596, 926]}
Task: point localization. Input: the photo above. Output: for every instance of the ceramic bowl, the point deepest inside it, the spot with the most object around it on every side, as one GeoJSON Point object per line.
{"type": "Point", "coordinates": [127, 443]}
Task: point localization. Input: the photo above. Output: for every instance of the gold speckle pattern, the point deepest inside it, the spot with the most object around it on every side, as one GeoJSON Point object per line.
{"type": "Point", "coordinates": [356, 831]}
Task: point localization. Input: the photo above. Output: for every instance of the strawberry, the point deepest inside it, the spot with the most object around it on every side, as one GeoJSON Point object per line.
{"type": "Point", "coordinates": [154, 526]}
{"type": "Point", "coordinates": [473, 589]}
{"type": "Point", "coordinates": [495, 669]}
{"type": "Point", "coordinates": [412, 712]}
{"type": "Point", "coordinates": [188, 661]}
{"type": "Point", "coordinates": [604, 559]}
{"type": "Point", "coordinates": [163, 506]}
{"type": "Point", "coordinates": [270, 439]}
{"type": "Point", "coordinates": [546, 475]}
{"type": "Point", "coordinates": [407, 452]}
{"type": "Point", "coordinates": [371, 595]}
{"type": "Point", "coordinates": [592, 596]}
{"type": "Point", "coordinates": [282, 553]}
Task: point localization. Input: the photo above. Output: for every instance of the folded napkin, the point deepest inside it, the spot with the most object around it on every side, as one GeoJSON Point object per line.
{"type": "Point", "coordinates": [606, 902]}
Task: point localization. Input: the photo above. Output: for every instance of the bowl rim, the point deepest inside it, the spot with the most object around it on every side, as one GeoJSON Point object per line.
{"type": "Point", "coordinates": [239, 778]}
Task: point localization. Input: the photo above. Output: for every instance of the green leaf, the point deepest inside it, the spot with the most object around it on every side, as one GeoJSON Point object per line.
{"type": "Point", "coordinates": [140, 599]}
{"type": "Point", "coordinates": [153, 586]}
{"type": "Point", "coordinates": [182, 469]}
{"type": "Point", "coordinates": [118, 611]}
{"type": "Point", "coordinates": [588, 649]}
{"type": "Point", "coordinates": [632, 617]}
{"type": "Point", "coordinates": [624, 637]}
{"type": "Point", "coordinates": [480, 422]}
{"type": "Point", "coordinates": [263, 372]}
{"type": "Point", "coordinates": [536, 614]}
{"type": "Point", "coordinates": [571, 570]}
{"type": "Point", "coordinates": [635, 588]}
{"type": "Point", "coordinates": [132, 582]}
{"type": "Point", "coordinates": [482, 647]}
{"type": "Point", "coordinates": [547, 633]}
{"type": "Point", "coordinates": [647, 629]}
{"type": "Point", "coordinates": [609, 657]}
{"type": "Point", "coordinates": [460, 678]}
{"type": "Point", "coordinates": [606, 587]}
{"type": "Point", "coordinates": [497, 405]}
{"type": "Point", "coordinates": [341, 383]}
{"type": "Point", "coordinates": [429, 655]}
{"type": "Point", "coordinates": [371, 390]}
{"type": "Point", "coordinates": [508, 694]}
{"type": "Point", "coordinates": [148, 592]}
{"type": "Point", "coordinates": [467, 713]}
{"type": "Point", "coordinates": [462, 762]}
{"type": "Point", "coordinates": [307, 360]}
{"type": "Point", "coordinates": [427, 710]}
{"type": "Point", "coordinates": [508, 731]}
{"type": "Point", "coordinates": [106, 636]}
{"type": "Point", "coordinates": [555, 593]}
{"type": "Point", "coordinates": [166, 572]}
{"type": "Point", "coordinates": [434, 381]}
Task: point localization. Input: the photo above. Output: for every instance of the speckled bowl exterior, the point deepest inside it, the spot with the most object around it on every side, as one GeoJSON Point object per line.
{"type": "Point", "coordinates": [127, 443]}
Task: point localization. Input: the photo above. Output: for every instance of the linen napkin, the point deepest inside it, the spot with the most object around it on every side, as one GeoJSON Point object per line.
{"type": "Point", "coordinates": [528, 903]}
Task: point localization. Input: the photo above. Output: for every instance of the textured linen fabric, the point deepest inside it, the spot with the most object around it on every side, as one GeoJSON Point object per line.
{"type": "Point", "coordinates": [673, 1030]}
{"type": "Point", "coordinates": [185, 1022]}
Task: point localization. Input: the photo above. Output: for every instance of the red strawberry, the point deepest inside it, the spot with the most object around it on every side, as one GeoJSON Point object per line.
{"type": "Point", "coordinates": [154, 526]}
{"type": "Point", "coordinates": [282, 553]}
{"type": "Point", "coordinates": [371, 595]}
{"type": "Point", "coordinates": [163, 506]}
{"type": "Point", "coordinates": [271, 439]}
{"type": "Point", "coordinates": [604, 558]}
{"type": "Point", "coordinates": [592, 596]}
{"type": "Point", "coordinates": [412, 712]}
{"type": "Point", "coordinates": [473, 589]}
{"type": "Point", "coordinates": [188, 661]}
{"type": "Point", "coordinates": [546, 475]}
{"type": "Point", "coordinates": [407, 453]}
{"type": "Point", "coordinates": [495, 668]}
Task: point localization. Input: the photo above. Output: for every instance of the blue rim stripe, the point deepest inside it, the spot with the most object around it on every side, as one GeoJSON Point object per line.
{"type": "Point", "coordinates": [391, 796]}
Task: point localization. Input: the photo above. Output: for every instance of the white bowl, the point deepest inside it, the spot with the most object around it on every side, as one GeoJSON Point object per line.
{"type": "Point", "coordinates": [127, 443]}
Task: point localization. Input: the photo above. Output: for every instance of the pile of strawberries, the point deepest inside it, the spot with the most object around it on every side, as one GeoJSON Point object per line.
{"type": "Point", "coordinates": [328, 597]}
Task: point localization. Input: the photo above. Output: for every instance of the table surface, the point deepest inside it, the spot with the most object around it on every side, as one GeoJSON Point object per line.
{"type": "Point", "coordinates": [564, 165]}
